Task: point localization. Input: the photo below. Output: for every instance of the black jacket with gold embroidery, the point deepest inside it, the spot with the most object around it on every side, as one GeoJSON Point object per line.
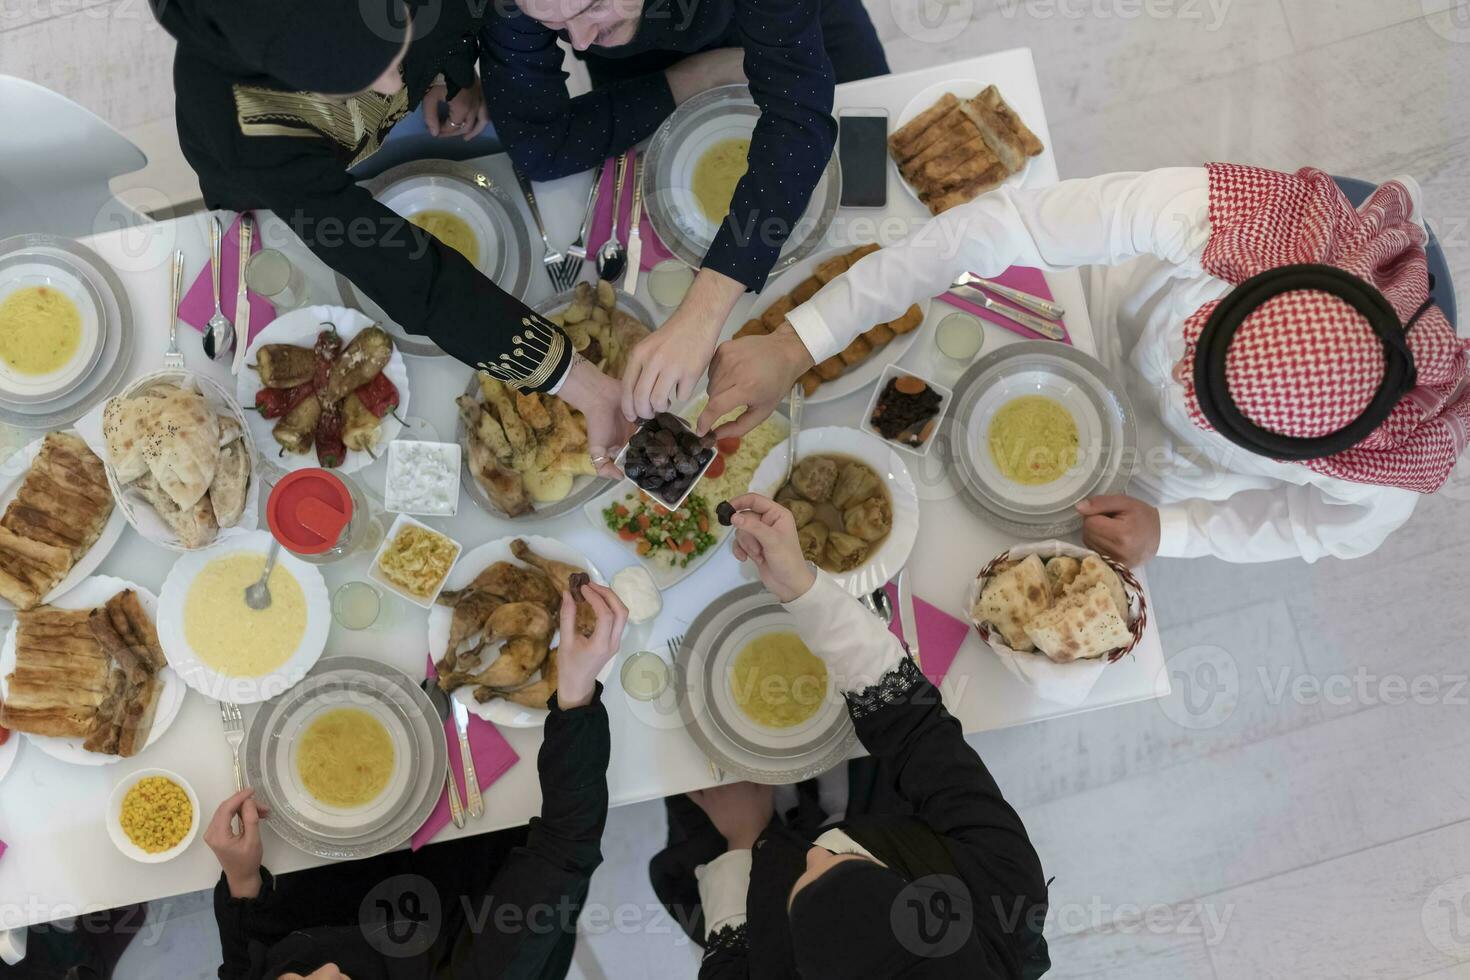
{"type": "Point", "coordinates": [255, 144]}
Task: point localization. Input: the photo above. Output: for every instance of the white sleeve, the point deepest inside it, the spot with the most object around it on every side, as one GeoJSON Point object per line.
{"type": "Point", "coordinates": [1101, 220]}
{"type": "Point", "coordinates": [723, 884]}
{"type": "Point", "coordinates": [1287, 522]}
{"type": "Point", "coordinates": [855, 645]}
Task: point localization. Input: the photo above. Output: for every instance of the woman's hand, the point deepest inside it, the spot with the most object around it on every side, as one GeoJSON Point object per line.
{"type": "Point", "coordinates": [766, 537]}
{"type": "Point", "coordinates": [1121, 526]}
{"type": "Point", "coordinates": [739, 811]}
{"type": "Point", "coordinates": [468, 114]}
{"type": "Point", "coordinates": [581, 658]}
{"type": "Point", "coordinates": [599, 399]}
{"type": "Point", "coordinates": [756, 372]}
{"type": "Point", "coordinates": [238, 855]}
{"type": "Point", "coordinates": [665, 367]}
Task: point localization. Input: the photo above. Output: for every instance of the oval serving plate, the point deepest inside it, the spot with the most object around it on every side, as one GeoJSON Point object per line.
{"type": "Point", "coordinates": [963, 88]}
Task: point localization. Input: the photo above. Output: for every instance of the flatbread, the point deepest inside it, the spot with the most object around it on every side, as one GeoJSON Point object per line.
{"type": "Point", "coordinates": [170, 432]}
{"type": "Point", "coordinates": [1061, 571]}
{"type": "Point", "coordinates": [1082, 626]}
{"type": "Point", "coordinates": [1094, 571]}
{"type": "Point", "coordinates": [1013, 598]}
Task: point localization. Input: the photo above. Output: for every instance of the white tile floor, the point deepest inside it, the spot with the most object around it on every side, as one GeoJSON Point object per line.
{"type": "Point", "coordinates": [1292, 810]}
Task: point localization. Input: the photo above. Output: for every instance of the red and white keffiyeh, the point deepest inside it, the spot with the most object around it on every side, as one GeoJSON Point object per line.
{"type": "Point", "coordinates": [1305, 363]}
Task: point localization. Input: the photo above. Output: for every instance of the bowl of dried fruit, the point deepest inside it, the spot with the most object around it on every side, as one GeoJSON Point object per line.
{"type": "Point", "coordinates": [905, 410]}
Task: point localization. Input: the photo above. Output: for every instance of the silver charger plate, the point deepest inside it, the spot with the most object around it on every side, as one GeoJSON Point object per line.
{"type": "Point", "coordinates": [421, 760]}
{"type": "Point", "coordinates": [115, 313]}
{"type": "Point", "coordinates": [444, 185]}
{"type": "Point", "coordinates": [584, 488]}
{"type": "Point", "coordinates": [725, 112]}
{"type": "Point", "coordinates": [1099, 405]}
{"type": "Point", "coordinates": [732, 741]}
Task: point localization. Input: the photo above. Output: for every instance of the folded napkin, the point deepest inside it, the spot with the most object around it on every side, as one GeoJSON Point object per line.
{"type": "Point", "coordinates": [940, 635]}
{"type": "Point", "coordinates": [1019, 277]}
{"type": "Point", "coordinates": [493, 758]}
{"type": "Point", "coordinates": [601, 227]}
{"type": "Point", "coordinates": [198, 304]}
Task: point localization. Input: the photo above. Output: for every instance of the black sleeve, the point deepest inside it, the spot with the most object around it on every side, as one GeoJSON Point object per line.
{"type": "Point", "coordinates": [537, 895]}
{"type": "Point", "coordinates": [549, 133]}
{"type": "Point", "coordinates": [791, 80]}
{"type": "Point", "coordinates": [726, 955]}
{"type": "Point", "coordinates": [241, 921]}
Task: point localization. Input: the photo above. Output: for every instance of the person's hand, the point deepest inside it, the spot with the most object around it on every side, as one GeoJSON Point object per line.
{"type": "Point", "coordinates": [238, 855]}
{"type": "Point", "coordinates": [706, 70]}
{"type": "Point", "coordinates": [756, 372]}
{"type": "Point", "coordinates": [328, 972]}
{"type": "Point", "coordinates": [600, 400]}
{"type": "Point", "coordinates": [666, 366]}
{"type": "Point", "coordinates": [765, 536]}
{"type": "Point", "coordinates": [581, 658]}
{"type": "Point", "coordinates": [468, 114]}
{"type": "Point", "coordinates": [739, 811]}
{"type": "Point", "coordinates": [1121, 526]}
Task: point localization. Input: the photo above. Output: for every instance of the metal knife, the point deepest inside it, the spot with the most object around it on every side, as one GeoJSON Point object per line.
{"type": "Point", "coordinates": [635, 238]}
{"type": "Point", "coordinates": [440, 701]}
{"type": "Point", "coordinates": [1023, 299]}
{"type": "Point", "coordinates": [1046, 328]}
{"type": "Point", "coordinates": [242, 296]}
{"type": "Point", "coordinates": [474, 802]}
{"type": "Point", "coordinates": [906, 615]}
{"type": "Point", "coordinates": [578, 248]}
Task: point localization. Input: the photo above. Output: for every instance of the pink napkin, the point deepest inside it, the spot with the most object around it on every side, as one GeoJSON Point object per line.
{"type": "Point", "coordinates": [653, 248]}
{"type": "Point", "coordinates": [198, 304]}
{"type": "Point", "coordinates": [493, 758]}
{"type": "Point", "coordinates": [3, 848]}
{"type": "Point", "coordinates": [1019, 277]}
{"type": "Point", "coordinates": [940, 635]}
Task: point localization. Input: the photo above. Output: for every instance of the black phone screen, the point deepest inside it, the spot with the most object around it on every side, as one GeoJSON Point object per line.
{"type": "Point", "coordinates": [862, 151]}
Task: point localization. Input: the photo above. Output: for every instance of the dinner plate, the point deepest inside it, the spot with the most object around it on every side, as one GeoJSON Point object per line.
{"type": "Point", "coordinates": [12, 473]}
{"type": "Point", "coordinates": [584, 488]}
{"type": "Point", "coordinates": [442, 185]}
{"type": "Point", "coordinates": [963, 88]}
{"type": "Point", "coordinates": [8, 752]}
{"type": "Point", "coordinates": [224, 687]}
{"type": "Point", "coordinates": [89, 594]}
{"type": "Point", "coordinates": [301, 327]}
{"type": "Point", "coordinates": [892, 554]}
{"type": "Point", "coordinates": [732, 740]}
{"type": "Point", "coordinates": [860, 377]}
{"type": "Point", "coordinates": [471, 564]}
{"type": "Point", "coordinates": [421, 760]}
{"type": "Point", "coordinates": [725, 112]}
{"type": "Point", "coordinates": [136, 510]}
{"type": "Point", "coordinates": [1106, 429]}
{"type": "Point", "coordinates": [112, 354]}
{"type": "Point", "coordinates": [75, 286]}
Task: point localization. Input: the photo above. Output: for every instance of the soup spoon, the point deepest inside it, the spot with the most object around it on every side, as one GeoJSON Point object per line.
{"type": "Point", "coordinates": [610, 258]}
{"type": "Point", "coordinates": [258, 596]}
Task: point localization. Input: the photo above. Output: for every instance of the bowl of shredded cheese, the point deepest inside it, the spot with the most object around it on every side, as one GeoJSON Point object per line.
{"type": "Point", "coordinates": [414, 561]}
{"type": "Point", "coordinates": [153, 815]}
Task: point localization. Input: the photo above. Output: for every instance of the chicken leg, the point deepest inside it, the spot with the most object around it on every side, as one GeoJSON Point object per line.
{"type": "Point", "coordinates": [563, 576]}
{"type": "Point", "coordinates": [521, 657]}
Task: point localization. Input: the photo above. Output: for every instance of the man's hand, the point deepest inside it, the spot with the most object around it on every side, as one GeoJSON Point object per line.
{"type": "Point", "coordinates": [765, 536]}
{"type": "Point", "coordinates": [468, 114]}
{"type": "Point", "coordinates": [581, 658]}
{"type": "Point", "coordinates": [238, 856]}
{"type": "Point", "coordinates": [756, 372]}
{"type": "Point", "coordinates": [600, 400]}
{"type": "Point", "coordinates": [666, 366]}
{"type": "Point", "coordinates": [706, 70]}
{"type": "Point", "coordinates": [739, 811]}
{"type": "Point", "coordinates": [1121, 526]}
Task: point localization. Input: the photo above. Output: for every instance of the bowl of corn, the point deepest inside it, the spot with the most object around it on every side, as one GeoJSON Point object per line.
{"type": "Point", "coordinates": [153, 815]}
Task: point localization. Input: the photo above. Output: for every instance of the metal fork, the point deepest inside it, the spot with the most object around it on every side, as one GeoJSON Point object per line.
{"type": "Point", "coordinates": [675, 645]}
{"type": "Point", "coordinates": [233, 723]}
{"type": "Point", "coordinates": [552, 258]}
{"type": "Point", "coordinates": [571, 266]}
{"type": "Point", "coordinates": [173, 358]}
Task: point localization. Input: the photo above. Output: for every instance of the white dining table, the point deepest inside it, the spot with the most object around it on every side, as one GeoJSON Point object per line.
{"type": "Point", "coordinates": [60, 861]}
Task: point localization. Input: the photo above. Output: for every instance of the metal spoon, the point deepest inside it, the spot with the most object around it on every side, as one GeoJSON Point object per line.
{"type": "Point", "coordinates": [258, 596]}
{"type": "Point", "coordinates": [879, 605]}
{"type": "Point", "coordinates": [798, 401]}
{"type": "Point", "coordinates": [611, 259]}
{"type": "Point", "coordinates": [219, 332]}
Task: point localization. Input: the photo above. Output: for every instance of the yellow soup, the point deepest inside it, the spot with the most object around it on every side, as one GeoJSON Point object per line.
{"type": "Point", "coordinates": [452, 230]}
{"type": "Point", "coordinates": [716, 174]}
{"type": "Point", "coordinates": [228, 635]}
{"type": "Point", "coordinates": [777, 681]}
{"type": "Point", "coordinates": [1033, 440]}
{"type": "Point", "coordinates": [40, 330]}
{"type": "Point", "coordinates": [345, 758]}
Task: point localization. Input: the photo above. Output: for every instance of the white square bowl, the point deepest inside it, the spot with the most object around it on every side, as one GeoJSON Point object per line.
{"type": "Point", "coordinates": [403, 521]}
{"type": "Point", "coordinates": [889, 373]}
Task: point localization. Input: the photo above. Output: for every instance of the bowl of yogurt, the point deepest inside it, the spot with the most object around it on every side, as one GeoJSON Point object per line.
{"type": "Point", "coordinates": [423, 478]}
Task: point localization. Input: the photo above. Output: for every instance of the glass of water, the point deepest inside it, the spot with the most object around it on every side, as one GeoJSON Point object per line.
{"type": "Point", "coordinates": [271, 275]}
{"type": "Point", "coordinates": [357, 605]}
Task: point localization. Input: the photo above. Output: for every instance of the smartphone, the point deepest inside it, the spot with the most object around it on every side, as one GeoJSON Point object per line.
{"type": "Point", "coordinates": [862, 152]}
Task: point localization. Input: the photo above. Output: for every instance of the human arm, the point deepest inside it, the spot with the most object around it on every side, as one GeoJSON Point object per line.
{"type": "Point", "coordinates": [246, 909]}
{"type": "Point", "coordinates": [740, 812]}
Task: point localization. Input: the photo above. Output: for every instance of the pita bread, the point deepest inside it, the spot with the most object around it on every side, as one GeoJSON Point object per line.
{"type": "Point", "coordinates": [1095, 571]}
{"type": "Point", "coordinates": [1012, 599]}
{"type": "Point", "coordinates": [1082, 626]}
{"type": "Point", "coordinates": [170, 432]}
{"type": "Point", "coordinates": [1060, 571]}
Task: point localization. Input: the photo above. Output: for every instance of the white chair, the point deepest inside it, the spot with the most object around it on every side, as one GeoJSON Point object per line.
{"type": "Point", "coordinates": [55, 163]}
